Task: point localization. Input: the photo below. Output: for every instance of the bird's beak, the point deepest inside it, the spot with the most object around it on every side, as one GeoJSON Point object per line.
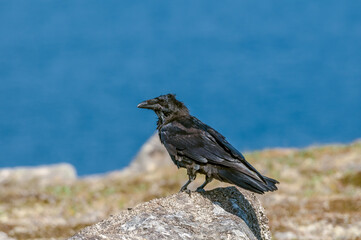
{"type": "Point", "coordinates": [146, 104]}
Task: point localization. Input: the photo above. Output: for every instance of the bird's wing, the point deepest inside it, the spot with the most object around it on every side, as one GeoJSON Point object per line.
{"type": "Point", "coordinates": [221, 140]}
{"type": "Point", "coordinates": [203, 144]}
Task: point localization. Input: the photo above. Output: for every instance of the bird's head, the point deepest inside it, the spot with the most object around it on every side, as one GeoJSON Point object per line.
{"type": "Point", "coordinates": [165, 106]}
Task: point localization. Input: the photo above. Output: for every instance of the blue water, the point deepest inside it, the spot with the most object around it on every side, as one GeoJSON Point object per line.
{"type": "Point", "coordinates": [263, 73]}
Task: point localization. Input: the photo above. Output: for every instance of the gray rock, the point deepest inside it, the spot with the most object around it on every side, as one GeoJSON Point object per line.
{"type": "Point", "coordinates": [4, 236]}
{"type": "Point", "coordinates": [222, 213]}
{"type": "Point", "coordinates": [42, 175]}
{"type": "Point", "coordinates": [150, 156]}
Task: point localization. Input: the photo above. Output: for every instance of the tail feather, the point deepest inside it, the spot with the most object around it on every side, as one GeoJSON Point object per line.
{"type": "Point", "coordinates": [247, 182]}
{"type": "Point", "coordinates": [271, 183]}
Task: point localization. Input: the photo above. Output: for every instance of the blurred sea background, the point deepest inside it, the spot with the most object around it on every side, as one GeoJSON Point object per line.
{"type": "Point", "coordinates": [264, 74]}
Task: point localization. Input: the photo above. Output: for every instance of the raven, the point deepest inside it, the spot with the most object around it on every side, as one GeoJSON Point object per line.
{"type": "Point", "coordinates": [200, 149]}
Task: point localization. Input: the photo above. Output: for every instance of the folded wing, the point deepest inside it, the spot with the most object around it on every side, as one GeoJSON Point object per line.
{"type": "Point", "coordinates": [203, 144]}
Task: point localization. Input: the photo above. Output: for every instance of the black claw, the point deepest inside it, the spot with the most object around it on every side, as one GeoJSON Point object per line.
{"type": "Point", "coordinates": [200, 190]}
{"type": "Point", "coordinates": [186, 190]}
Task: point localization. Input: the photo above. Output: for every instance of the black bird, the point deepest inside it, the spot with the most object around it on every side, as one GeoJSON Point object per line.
{"type": "Point", "coordinates": [200, 149]}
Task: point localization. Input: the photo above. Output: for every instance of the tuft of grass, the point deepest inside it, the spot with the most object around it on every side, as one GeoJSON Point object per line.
{"type": "Point", "coordinates": [346, 205]}
{"type": "Point", "coordinates": [62, 190]}
{"type": "Point", "coordinates": [352, 178]}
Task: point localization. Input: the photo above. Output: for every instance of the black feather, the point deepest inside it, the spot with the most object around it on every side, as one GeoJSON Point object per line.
{"type": "Point", "coordinates": [201, 149]}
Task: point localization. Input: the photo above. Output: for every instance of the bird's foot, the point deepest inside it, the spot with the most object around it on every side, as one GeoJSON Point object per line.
{"type": "Point", "coordinates": [200, 190]}
{"type": "Point", "coordinates": [186, 190]}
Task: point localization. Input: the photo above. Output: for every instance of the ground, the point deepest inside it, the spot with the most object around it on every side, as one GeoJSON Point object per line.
{"type": "Point", "coordinates": [319, 196]}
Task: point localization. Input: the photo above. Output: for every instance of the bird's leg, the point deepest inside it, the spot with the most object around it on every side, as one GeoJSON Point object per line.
{"type": "Point", "coordinates": [201, 187]}
{"type": "Point", "coordinates": [192, 177]}
{"type": "Point", "coordinates": [184, 188]}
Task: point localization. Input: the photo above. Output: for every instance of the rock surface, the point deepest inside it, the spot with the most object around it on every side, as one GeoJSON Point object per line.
{"type": "Point", "coordinates": [43, 175]}
{"type": "Point", "coordinates": [151, 156]}
{"type": "Point", "coordinates": [222, 213]}
{"type": "Point", "coordinates": [4, 236]}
